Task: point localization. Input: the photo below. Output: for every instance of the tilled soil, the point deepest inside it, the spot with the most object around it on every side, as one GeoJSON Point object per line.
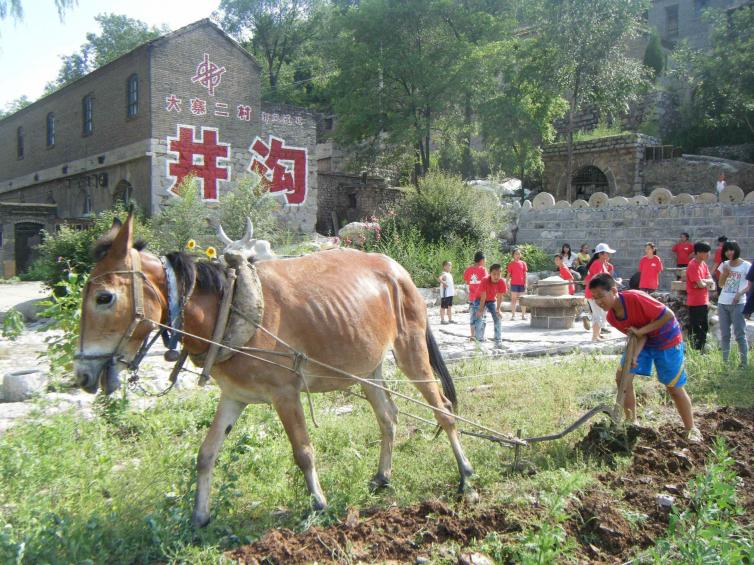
{"type": "Point", "coordinates": [611, 521]}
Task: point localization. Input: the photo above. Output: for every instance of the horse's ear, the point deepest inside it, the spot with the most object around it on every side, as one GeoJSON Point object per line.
{"type": "Point", "coordinates": [123, 242]}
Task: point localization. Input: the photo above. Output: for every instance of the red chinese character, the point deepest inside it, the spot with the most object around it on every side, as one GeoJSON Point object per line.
{"type": "Point", "coordinates": [284, 168]}
{"type": "Point", "coordinates": [221, 110]}
{"type": "Point", "coordinates": [198, 106]}
{"type": "Point", "coordinates": [199, 157]}
{"type": "Point", "coordinates": [208, 74]}
{"type": "Point", "coordinates": [244, 112]}
{"type": "Point", "coordinates": [173, 103]}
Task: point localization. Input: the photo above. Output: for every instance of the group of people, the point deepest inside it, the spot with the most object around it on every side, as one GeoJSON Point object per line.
{"type": "Point", "coordinates": [632, 311]}
{"type": "Point", "coordinates": [486, 290]}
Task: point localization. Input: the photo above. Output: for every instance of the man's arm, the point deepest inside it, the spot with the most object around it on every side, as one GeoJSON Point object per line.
{"type": "Point", "coordinates": [652, 326]}
{"type": "Point", "coordinates": [482, 300]}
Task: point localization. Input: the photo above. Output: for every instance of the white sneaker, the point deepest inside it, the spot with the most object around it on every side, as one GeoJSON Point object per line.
{"type": "Point", "coordinates": [694, 435]}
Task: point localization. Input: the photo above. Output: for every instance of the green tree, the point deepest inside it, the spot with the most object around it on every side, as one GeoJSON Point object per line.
{"type": "Point", "coordinates": [654, 58]}
{"type": "Point", "coordinates": [118, 35]}
{"type": "Point", "coordinates": [273, 30]}
{"type": "Point", "coordinates": [722, 79]}
{"type": "Point", "coordinates": [182, 218]}
{"type": "Point", "coordinates": [14, 106]}
{"type": "Point", "coordinates": [518, 114]}
{"type": "Point", "coordinates": [251, 199]}
{"type": "Point", "coordinates": [588, 43]}
{"type": "Point", "coordinates": [400, 67]}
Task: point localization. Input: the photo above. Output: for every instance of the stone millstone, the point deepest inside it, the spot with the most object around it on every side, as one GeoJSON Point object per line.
{"type": "Point", "coordinates": [22, 384]}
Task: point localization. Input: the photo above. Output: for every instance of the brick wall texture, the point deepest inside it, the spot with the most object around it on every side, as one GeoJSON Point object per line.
{"type": "Point", "coordinates": [627, 229]}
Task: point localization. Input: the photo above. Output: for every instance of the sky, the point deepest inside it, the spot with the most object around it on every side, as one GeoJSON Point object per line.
{"type": "Point", "coordinates": [30, 49]}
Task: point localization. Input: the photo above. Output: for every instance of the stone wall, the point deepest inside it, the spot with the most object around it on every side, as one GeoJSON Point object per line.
{"type": "Point", "coordinates": [351, 199]}
{"type": "Point", "coordinates": [628, 228]}
{"type": "Point", "coordinates": [696, 174]}
{"type": "Point", "coordinates": [619, 157]}
{"type": "Point", "coordinates": [741, 152]}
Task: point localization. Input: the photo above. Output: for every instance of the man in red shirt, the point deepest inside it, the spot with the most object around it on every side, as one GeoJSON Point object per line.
{"type": "Point", "coordinates": [473, 277]}
{"type": "Point", "coordinates": [684, 250]}
{"type": "Point", "coordinates": [491, 291]}
{"type": "Point", "coordinates": [660, 343]}
{"type": "Point", "coordinates": [698, 280]}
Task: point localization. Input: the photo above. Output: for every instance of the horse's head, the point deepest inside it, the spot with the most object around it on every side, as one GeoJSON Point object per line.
{"type": "Point", "coordinates": [121, 297]}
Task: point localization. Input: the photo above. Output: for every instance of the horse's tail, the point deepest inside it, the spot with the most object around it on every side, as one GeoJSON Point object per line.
{"type": "Point", "coordinates": [440, 369]}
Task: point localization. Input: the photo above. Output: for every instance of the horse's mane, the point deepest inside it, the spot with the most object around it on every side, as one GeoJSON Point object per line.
{"type": "Point", "coordinates": [205, 275]}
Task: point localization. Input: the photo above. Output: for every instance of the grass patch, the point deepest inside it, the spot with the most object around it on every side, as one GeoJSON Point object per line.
{"type": "Point", "coordinates": [120, 487]}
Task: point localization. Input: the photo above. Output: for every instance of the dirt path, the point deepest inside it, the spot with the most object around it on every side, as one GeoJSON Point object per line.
{"type": "Point", "coordinates": [663, 463]}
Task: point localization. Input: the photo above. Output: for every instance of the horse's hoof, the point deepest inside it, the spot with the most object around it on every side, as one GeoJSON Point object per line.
{"type": "Point", "coordinates": [378, 482]}
{"type": "Point", "coordinates": [319, 505]}
{"type": "Point", "coordinates": [200, 519]}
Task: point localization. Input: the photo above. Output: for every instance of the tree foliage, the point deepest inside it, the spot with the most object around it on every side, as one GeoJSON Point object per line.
{"type": "Point", "coordinates": [275, 31]}
{"type": "Point", "coordinates": [117, 36]}
{"type": "Point", "coordinates": [14, 8]}
{"type": "Point", "coordinates": [14, 106]}
{"type": "Point", "coordinates": [587, 42]}
{"type": "Point", "coordinates": [721, 108]}
{"type": "Point", "coordinates": [654, 58]}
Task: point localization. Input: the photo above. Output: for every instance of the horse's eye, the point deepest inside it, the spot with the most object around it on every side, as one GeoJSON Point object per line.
{"type": "Point", "coordinates": [105, 298]}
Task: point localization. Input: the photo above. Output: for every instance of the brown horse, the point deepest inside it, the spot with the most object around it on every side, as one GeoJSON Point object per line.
{"type": "Point", "coordinates": [344, 308]}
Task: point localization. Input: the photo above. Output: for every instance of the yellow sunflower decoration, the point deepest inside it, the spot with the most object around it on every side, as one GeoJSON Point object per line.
{"type": "Point", "coordinates": [211, 252]}
{"type": "Point", "coordinates": [191, 244]}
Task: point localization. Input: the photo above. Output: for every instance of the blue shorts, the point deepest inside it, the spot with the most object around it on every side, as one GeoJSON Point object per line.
{"type": "Point", "coordinates": [518, 288]}
{"type": "Point", "coordinates": [670, 365]}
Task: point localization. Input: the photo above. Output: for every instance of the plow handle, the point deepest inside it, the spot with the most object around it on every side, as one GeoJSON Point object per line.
{"type": "Point", "coordinates": [626, 378]}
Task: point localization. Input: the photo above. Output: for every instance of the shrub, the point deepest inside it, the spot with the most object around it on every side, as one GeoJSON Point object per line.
{"type": "Point", "coordinates": [250, 198]}
{"type": "Point", "coordinates": [654, 58]}
{"type": "Point", "coordinates": [70, 249]}
{"type": "Point", "coordinates": [537, 259]}
{"type": "Point", "coordinates": [444, 208]}
{"type": "Point", "coordinates": [182, 218]}
{"type": "Point", "coordinates": [13, 324]}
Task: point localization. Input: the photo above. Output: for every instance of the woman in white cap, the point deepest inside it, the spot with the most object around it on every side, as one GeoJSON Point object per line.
{"type": "Point", "coordinates": [598, 264]}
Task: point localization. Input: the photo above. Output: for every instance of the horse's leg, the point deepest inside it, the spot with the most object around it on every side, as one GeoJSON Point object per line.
{"type": "Point", "coordinates": [227, 413]}
{"type": "Point", "coordinates": [291, 414]}
{"type": "Point", "coordinates": [387, 416]}
{"type": "Point", "coordinates": [412, 358]}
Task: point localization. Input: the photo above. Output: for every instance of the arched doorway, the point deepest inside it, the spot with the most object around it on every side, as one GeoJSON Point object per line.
{"type": "Point", "coordinates": [123, 192]}
{"type": "Point", "coordinates": [588, 180]}
{"type": "Point", "coordinates": [28, 235]}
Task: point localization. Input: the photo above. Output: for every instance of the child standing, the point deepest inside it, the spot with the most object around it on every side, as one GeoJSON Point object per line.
{"type": "Point", "coordinates": [473, 276]}
{"type": "Point", "coordinates": [491, 293]}
{"type": "Point", "coordinates": [698, 281]}
{"type": "Point", "coordinates": [600, 263]}
{"type": "Point", "coordinates": [447, 291]}
{"type": "Point", "coordinates": [732, 299]}
{"type": "Point", "coordinates": [659, 342]}
{"type": "Point", "coordinates": [564, 272]}
{"type": "Point", "coordinates": [650, 267]}
{"type": "Point", "coordinates": [517, 270]}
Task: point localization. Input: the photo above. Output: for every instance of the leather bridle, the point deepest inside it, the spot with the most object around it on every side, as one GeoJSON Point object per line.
{"type": "Point", "coordinates": [138, 317]}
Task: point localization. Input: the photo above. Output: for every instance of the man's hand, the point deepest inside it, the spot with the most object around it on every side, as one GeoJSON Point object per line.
{"type": "Point", "coordinates": [635, 331]}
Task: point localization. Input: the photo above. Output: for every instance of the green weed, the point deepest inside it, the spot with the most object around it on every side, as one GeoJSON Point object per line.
{"type": "Point", "coordinates": [13, 324]}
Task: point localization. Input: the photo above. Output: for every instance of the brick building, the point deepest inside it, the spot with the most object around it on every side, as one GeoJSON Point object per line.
{"type": "Point", "coordinates": [185, 103]}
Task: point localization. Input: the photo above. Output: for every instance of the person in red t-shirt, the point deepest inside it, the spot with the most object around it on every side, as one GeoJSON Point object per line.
{"type": "Point", "coordinates": [564, 272]}
{"type": "Point", "coordinates": [491, 292]}
{"type": "Point", "coordinates": [517, 270]}
{"type": "Point", "coordinates": [650, 267]}
{"type": "Point", "coordinates": [684, 250]}
{"type": "Point", "coordinates": [473, 277]}
{"type": "Point", "coordinates": [660, 343]}
{"type": "Point", "coordinates": [600, 263]}
{"type": "Point", "coordinates": [698, 281]}
{"type": "Point", "coordinates": [717, 260]}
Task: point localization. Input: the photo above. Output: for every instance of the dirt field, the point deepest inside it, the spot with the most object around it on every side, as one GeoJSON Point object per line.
{"type": "Point", "coordinates": [663, 462]}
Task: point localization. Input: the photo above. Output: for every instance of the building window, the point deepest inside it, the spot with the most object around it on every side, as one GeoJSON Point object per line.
{"type": "Point", "coordinates": [86, 207]}
{"type": "Point", "coordinates": [20, 142]}
{"type": "Point", "coordinates": [50, 129]}
{"type": "Point", "coordinates": [86, 115]}
{"type": "Point", "coordinates": [132, 95]}
{"type": "Point", "coordinates": [671, 21]}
